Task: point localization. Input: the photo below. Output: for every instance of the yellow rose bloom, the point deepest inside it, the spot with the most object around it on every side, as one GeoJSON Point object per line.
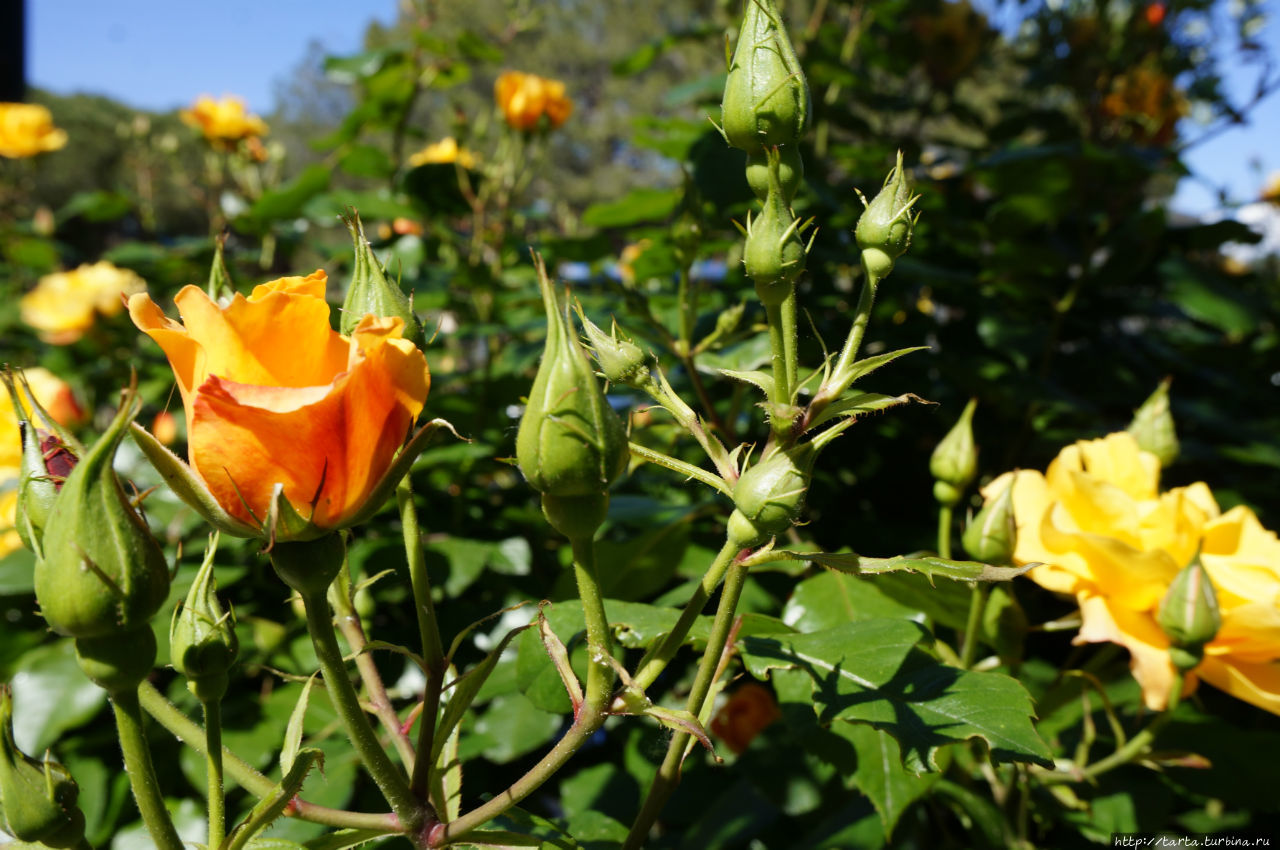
{"type": "Point", "coordinates": [1104, 533]}
{"type": "Point", "coordinates": [26, 129]}
{"type": "Point", "coordinates": [524, 99]}
{"type": "Point", "coordinates": [223, 121]}
{"type": "Point", "coordinates": [63, 305]}
{"type": "Point", "coordinates": [444, 151]}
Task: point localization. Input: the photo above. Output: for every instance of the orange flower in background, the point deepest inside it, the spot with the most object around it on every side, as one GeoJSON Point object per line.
{"type": "Point", "coordinates": [744, 715]}
{"type": "Point", "coordinates": [56, 397]}
{"type": "Point", "coordinates": [275, 397]}
{"type": "Point", "coordinates": [223, 121]}
{"type": "Point", "coordinates": [525, 98]}
{"type": "Point", "coordinates": [1104, 533]}
{"type": "Point", "coordinates": [1146, 100]}
{"type": "Point", "coordinates": [26, 129]}
{"type": "Point", "coordinates": [444, 151]}
{"type": "Point", "coordinates": [64, 305]}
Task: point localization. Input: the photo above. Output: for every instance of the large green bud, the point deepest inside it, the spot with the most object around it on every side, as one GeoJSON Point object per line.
{"type": "Point", "coordinates": [202, 635]}
{"type": "Point", "coordinates": [1152, 426]}
{"type": "Point", "coordinates": [774, 253]}
{"type": "Point", "coordinates": [770, 495]}
{"type": "Point", "coordinates": [371, 292]}
{"type": "Point", "coordinates": [885, 226]}
{"type": "Point", "coordinates": [1189, 616]}
{"type": "Point", "coordinates": [954, 462]}
{"type": "Point", "coordinates": [992, 535]}
{"type": "Point", "coordinates": [766, 97]}
{"type": "Point", "coordinates": [570, 444]}
{"type": "Point", "coordinates": [39, 796]}
{"type": "Point", "coordinates": [101, 573]}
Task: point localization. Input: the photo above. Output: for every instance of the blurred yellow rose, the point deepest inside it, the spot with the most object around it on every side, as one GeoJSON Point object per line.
{"type": "Point", "coordinates": [63, 305]}
{"type": "Point", "coordinates": [56, 398]}
{"type": "Point", "coordinates": [444, 151]}
{"type": "Point", "coordinates": [525, 98]}
{"type": "Point", "coordinates": [26, 129]}
{"type": "Point", "coordinates": [223, 121]}
{"type": "Point", "coordinates": [1106, 534]}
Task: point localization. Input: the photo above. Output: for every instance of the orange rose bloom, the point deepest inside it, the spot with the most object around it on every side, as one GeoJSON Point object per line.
{"type": "Point", "coordinates": [525, 98]}
{"type": "Point", "coordinates": [224, 120]}
{"type": "Point", "coordinates": [26, 129]}
{"type": "Point", "coordinates": [275, 397]}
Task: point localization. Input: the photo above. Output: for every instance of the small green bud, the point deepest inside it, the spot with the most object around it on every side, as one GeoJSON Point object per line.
{"type": "Point", "coordinates": [621, 360]}
{"type": "Point", "coordinates": [1152, 426]}
{"type": "Point", "coordinates": [885, 226]}
{"type": "Point", "coordinates": [955, 460]}
{"type": "Point", "coordinates": [202, 636]}
{"type": "Point", "coordinates": [221, 288]}
{"type": "Point", "coordinates": [570, 442]}
{"type": "Point", "coordinates": [991, 536]}
{"type": "Point", "coordinates": [770, 495]}
{"type": "Point", "coordinates": [39, 796]}
{"type": "Point", "coordinates": [101, 572]}
{"type": "Point", "coordinates": [371, 292]}
{"type": "Point", "coordinates": [766, 97]}
{"type": "Point", "coordinates": [1189, 615]}
{"type": "Point", "coordinates": [790, 173]}
{"type": "Point", "coordinates": [774, 254]}
{"type": "Point", "coordinates": [47, 460]}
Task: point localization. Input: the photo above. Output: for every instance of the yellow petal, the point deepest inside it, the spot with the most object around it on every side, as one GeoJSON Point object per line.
{"type": "Point", "coordinates": [1137, 632]}
{"type": "Point", "coordinates": [1258, 684]}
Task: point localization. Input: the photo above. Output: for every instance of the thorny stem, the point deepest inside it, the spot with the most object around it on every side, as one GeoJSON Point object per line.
{"type": "Point", "coordinates": [668, 775]}
{"type": "Point", "coordinates": [687, 469]}
{"type": "Point", "coordinates": [213, 765]}
{"type": "Point", "coordinates": [181, 727]}
{"type": "Point", "coordinates": [429, 635]}
{"type": "Point", "coordinates": [977, 603]}
{"type": "Point", "coordinates": [780, 399]}
{"type": "Point", "coordinates": [660, 391]}
{"type": "Point", "coordinates": [142, 773]}
{"type": "Point", "coordinates": [944, 531]}
{"type": "Point", "coordinates": [841, 374]}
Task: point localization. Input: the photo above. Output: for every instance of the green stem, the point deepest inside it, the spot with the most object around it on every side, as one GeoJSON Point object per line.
{"type": "Point", "coordinates": [589, 717]}
{"type": "Point", "coordinates": [392, 783]}
{"type": "Point", "coordinates": [977, 603]}
{"type": "Point", "coordinates": [142, 773]}
{"type": "Point", "coordinates": [944, 531]}
{"type": "Point", "coordinates": [684, 344]}
{"type": "Point", "coordinates": [781, 397]}
{"type": "Point", "coordinates": [668, 775]}
{"type": "Point", "coordinates": [789, 339]}
{"type": "Point", "coordinates": [213, 764]}
{"type": "Point", "coordinates": [428, 636]}
{"type": "Point", "coordinates": [841, 373]}
{"type": "Point", "coordinates": [654, 663]}
{"type": "Point", "coordinates": [686, 469]}
{"type": "Point", "coordinates": [167, 715]}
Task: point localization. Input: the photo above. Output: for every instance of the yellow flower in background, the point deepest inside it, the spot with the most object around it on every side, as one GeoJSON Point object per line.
{"type": "Point", "coordinates": [223, 121]}
{"type": "Point", "coordinates": [26, 129]}
{"type": "Point", "coordinates": [444, 151]}
{"type": "Point", "coordinates": [63, 305]}
{"type": "Point", "coordinates": [525, 98]}
{"type": "Point", "coordinates": [1104, 533]}
{"type": "Point", "coordinates": [56, 397]}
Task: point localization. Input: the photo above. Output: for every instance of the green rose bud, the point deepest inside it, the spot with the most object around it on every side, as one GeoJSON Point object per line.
{"type": "Point", "coordinates": [39, 796]}
{"type": "Point", "coordinates": [47, 460]}
{"type": "Point", "coordinates": [774, 255]}
{"type": "Point", "coordinates": [1152, 426]}
{"type": "Point", "coordinates": [790, 173]}
{"type": "Point", "coordinates": [570, 442]}
{"type": "Point", "coordinates": [1189, 615]}
{"type": "Point", "coordinates": [621, 360]}
{"type": "Point", "coordinates": [221, 289]}
{"type": "Point", "coordinates": [202, 636]}
{"type": "Point", "coordinates": [885, 226]}
{"type": "Point", "coordinates": [766, 97]}
{"type": "Point", "coordinates": [955, 460]}
{"type": "Point", "coordinates": [371, 292]}
{"type": "Point", "coordinates": [101, 572]}
{"type": "Point", "coordinates": [991, 535]}
{"type": "Point", "coordinates": [770, 495]}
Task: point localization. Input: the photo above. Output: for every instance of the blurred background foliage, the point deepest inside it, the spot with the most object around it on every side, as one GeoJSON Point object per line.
{"type": "Point", "coordinates": [1048, 278]}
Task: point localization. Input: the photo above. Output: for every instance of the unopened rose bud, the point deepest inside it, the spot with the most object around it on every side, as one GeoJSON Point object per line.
{"type": "Point", "coordinates": [774, 254]}
{"type": "Point", "coordinates": [770, 495]}
{"type": "Point", "coordinates": [372, 293]}
{"type": "Point", "coordinates": [1152, 426]}
{"type": "Point", "coordinates": [991, 535]}
{"type": "Point", "coordinates": [221, 288]}
{"type": "Point", "coordinates": [766, 97]}
{"type": "Point", "coordinates": [621, 361]}
{"type": "Point", "coordinates": [39, 797]}
{"type": "Point", "coordinates": [202, 635]}
{"type": "Point", "coordinates": [954, 462]}
{"type": "Point", "coordinates": [1189, 615]}
{"type": "Point", "coordinates": [885, 226]}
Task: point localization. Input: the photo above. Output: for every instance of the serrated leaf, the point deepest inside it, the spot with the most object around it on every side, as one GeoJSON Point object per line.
{"type": "Point", "coordinates": [559, 656]}
{"type": "Point", "coordinates": [460, 693]}
{"type": "Point", "coordinates": [880, 774]}
{"type": "Point", "coordinates": [273, 804]}
{"type": "Point", "coordinates": [867, 365]}
{"type": "Point", "coordinates": [293, 732]}
{"type": "Point", "coordinates": [341, 839]}
{"type": "Point", "coordinates": [637, 206]}
{"type": "Point", "coordinates": [859, 404]}
{"type": "Point", "coordinates": [763, 380]}
{"type": "Point", "coordinates": [872, 672]}
{"type": "Point", "coordinates": [929, 565]}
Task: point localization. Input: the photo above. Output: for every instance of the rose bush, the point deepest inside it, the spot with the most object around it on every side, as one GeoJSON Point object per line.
{"type": "Point", "coordinates": [1104, 533]}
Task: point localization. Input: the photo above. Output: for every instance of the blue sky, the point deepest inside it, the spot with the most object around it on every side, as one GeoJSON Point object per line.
{"type": "Point", "coordinates": [161, 54]}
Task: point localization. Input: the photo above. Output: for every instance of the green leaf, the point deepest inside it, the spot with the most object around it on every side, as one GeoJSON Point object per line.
{"type": "Point", "coordinates": [763, 380]}
{"type": "Point", "coordinates": [367, 161]}
{"type": "Point", "coordinates": [928, 565]}
{"type": "Point", "coordinates": [350, 69]}
{"type": "Point", "coordinates": [640, 205]}
{"type": "Point", "coordinates": [872, 672]}
{"type": "Point", "coordinates": [513, 728]}
{"type": "Point", "coordinates": [468, 559]}
{"type": "Point", "coordinates": [478, 47]}
{"type": "Point", "coordinates": [880, 774]}
{"type": "Point", "coordinates": [17, 572]}
{"type": "Point", "coordinates": [461, 693]}
{"type": "Point", "coordinates": [867, 365]}
{"type": "Point", "coordinates": [288, 200]}
{"type": "Point", "coordinates": [273, 805]}
{"type": "Point", "coordinates": [96, 206]}
{"type": "Point", "coordinates": [831, 598]}
{"type": "Point", "coordinates": [293, 732]}
{"type": "Point", "coordinates": [50, 696]}
{"type": "Point", "coordinates": [858, 404]}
